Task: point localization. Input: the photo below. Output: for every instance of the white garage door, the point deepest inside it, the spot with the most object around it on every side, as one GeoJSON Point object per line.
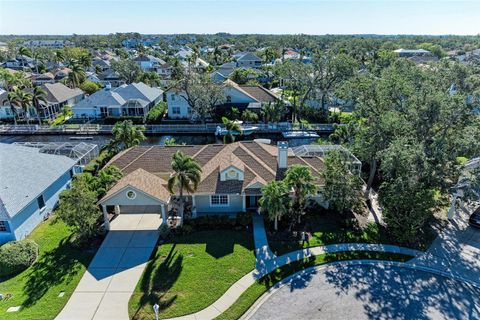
{"type": "Point", "coordinates": [140, 209]}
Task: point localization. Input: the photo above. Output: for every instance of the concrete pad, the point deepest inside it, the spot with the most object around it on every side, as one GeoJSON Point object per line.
{"type": "Point", "coordinates": [81, 306]}
{"type": "Point", "coordinates": [118, 239]}
{"type": "Point", "coordinates": [126, 222]}
{"type": "Point", "coordinates": [114, 305]}
{"type": "Point", "coordinates": [144, 239]}
{"type": "Point", "coordinates": [150, 221]}
{"type": "Point", "coordinates": [125, 280]}
{"type": "Point", "coordinates": [107, 257]}
{"type": "Point", "coordinates": [95, 280]}
{"type": "Point", "coordinates": [135, 257]}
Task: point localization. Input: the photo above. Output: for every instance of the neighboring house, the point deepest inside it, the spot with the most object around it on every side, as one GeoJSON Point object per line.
{"type": "Point", "coordinates": [111, 78]}
{"type": "Point", "coordinates": [412, 52]}
{"type": "Point", "coordinates": [249, 60]}
{"type": "Point", "coordinates": [30, 185]}
{"type": "Point", "coordinates": [48, 43]}
{"type": "Point", "coordinates": [43, 78]}
{"type": "Point", "coordinates": [104, 64]}
{"type": "Point", "coordinates": [58, 95]}
{"type": "Point", "coordinates": [148, 62]}
{"type": "Point", "coordinates": [3, 46]}
{"type": "Point", "coordinates": [231, 179]}
{"type": "Point", "coordinates": [19, 63]}
{"type": "Point", "coordinates": [131, 100]}
{"type": "Point", "coordinates": [240, 96]}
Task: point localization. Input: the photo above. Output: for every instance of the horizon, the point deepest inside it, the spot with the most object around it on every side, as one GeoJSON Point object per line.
{"type": "Point", "coordinates": [266, 17]}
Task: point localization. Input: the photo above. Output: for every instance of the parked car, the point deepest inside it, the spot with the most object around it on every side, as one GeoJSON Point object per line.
{"type": "Point", "coordinates": [475, 218]}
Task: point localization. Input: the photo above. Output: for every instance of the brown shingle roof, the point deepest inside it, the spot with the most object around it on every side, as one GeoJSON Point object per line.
{"type": "Point", "coordinates": [257, 161]}
{"type": "Point", "coordinates": [143, 181]}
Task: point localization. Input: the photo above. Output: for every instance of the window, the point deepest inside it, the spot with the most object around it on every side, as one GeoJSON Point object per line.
{"type": "Point", "coordinates": [71, 173]}
{"type": "Point", "coordinates": [219, 200]}
{"type": "Point", "coordinates": [131, 195]}
{"type": "Point", "coordinates": [173, 97]}
{"type": "Point", "coordinates": [175, 110]}
{"type": "Point", "coordinates": [3, 226]}
{"type": "Point", "coordinates": [41, 202]}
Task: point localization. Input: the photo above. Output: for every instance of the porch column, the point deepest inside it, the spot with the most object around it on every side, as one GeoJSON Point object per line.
{"type": "Point", "coordinates": [194, 207]}
{"type": "Point", "coordinates": [117, 209]}
{"type": "Point", "coordinates": [164, 214]}
{"type": "Point", "coordinates": [244, 203]}
{"type": "Point", "coordinates": [105, 217]}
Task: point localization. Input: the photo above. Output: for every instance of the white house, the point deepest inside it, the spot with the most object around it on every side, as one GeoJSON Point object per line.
{"type": "Point", "coordinates": [134, 99]}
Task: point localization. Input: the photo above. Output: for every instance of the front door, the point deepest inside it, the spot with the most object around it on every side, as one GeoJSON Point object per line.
{"type": "Point", "coordinates": [252, 202]}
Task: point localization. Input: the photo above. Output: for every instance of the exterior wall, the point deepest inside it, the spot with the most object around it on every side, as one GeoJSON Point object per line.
{"type": "Point", "coordinates": [249, 64]}
{"type": "Point", "coordinates": [235, 204]}
{"type": "Point", "coordinates": [237, 96]}
{"type": "Point", "coordinates": [26, 220]}
{"type": "Point", "coordinates": [121, 199]}
{"type": "Point", "coordinates": [175, 100]}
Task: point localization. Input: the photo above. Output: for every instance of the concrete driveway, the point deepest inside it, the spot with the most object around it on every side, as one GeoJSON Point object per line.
{"type": "Point", "coordinates": [369, 292]}
{"type": "Point", "coordinates": [108, 283]}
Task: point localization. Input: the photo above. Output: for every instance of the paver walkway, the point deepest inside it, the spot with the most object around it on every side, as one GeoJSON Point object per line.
{"type": "Point", "coordinates": [108, 283]}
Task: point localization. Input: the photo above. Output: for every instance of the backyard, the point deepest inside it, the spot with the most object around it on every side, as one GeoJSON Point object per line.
{"type": "Point", "coordinates": [192, 271]}
{"type": "Point", "coordinates": [58, 269]}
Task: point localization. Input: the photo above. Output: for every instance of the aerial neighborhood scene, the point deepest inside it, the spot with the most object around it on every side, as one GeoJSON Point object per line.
{"type": "Point", "coordinates": [197, 160]}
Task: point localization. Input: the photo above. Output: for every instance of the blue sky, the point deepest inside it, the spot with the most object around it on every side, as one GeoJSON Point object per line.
{"type": "Point", "coordinates": [240, 16]}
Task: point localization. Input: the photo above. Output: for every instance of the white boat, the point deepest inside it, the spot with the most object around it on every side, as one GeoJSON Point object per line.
{"type": "Point", "coordinates": [299, 134]}
{"type": "Point", "coordinates": [81, 138]}
{"type": "Point", "coordinates": [244, 130]}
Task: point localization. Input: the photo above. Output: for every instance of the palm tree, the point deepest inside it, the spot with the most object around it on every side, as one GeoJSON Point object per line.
{"type": "Point", "coordinates": [186, 176]}
{"type": "Point", "coordinates": [59, 56]}
{"type": "Point", "coordinates": [300, 179]}
{"type": "Point", "coordinates": [76, 75]}
{"type": "Point", "coordinates": [39, 100]}
{"type": "Point", "coordinates": [275, 200]}
{"type": "Point", "coordinates": [12, 82]}
{"type": "Point", "coordinates": [25, 52]}
{"type": "Point", "coordinates": [106, 178]}
{"type": "Point", "coordinates": [21, 99]}
{"type": "Point", "coordinates": [85, 61]}
{"type": "Point", "coordinates": [126, 135]}
{"type": "Point", "coordinates": [231, 127]}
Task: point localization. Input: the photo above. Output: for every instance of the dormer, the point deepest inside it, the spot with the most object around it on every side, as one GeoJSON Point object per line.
{"type": "Point", "coordinates": [231, 173]}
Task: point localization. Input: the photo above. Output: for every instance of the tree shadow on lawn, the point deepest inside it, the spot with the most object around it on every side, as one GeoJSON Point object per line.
{"type": "Point", "coordinates": [54, 267]}
{"type": "Point", "coordinates": [162, 279]}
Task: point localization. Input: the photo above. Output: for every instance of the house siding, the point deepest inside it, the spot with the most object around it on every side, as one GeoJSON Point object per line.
{"type": "Point", "coordinates": [26, 220]}
{"type": "Point", "coordinates": [235, 204]}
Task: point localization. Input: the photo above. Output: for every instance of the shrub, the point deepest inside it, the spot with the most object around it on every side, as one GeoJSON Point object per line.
{"type": "Point", "coordinates": [89, 87]}
{"type": "Point", "coordinates": [155, 115]}
{"type": "Point", "coordinates": [242, 220]}
{"type": "Point", "coordinates": [17, 256]}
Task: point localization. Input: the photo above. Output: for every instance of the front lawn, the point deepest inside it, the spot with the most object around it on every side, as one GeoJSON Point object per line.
{"type": "Point", "coordinates": [191, 272]}
{"type": "Point", "coordinates": [59, 268]}
{"type": "Point", "coordinates": [325, 229]}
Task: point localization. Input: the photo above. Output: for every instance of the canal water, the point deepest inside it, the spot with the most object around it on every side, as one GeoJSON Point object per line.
{"type": "Point", "coordinates": [196, 139]}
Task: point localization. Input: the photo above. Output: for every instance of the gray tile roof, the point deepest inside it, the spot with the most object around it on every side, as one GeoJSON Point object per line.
{"type": "Point", "coordinates": [58, 92]}
{"type": "Point", "coordinates": [139, 90]}
{"type": "Point", "coordinates": [25, 173]}
{"type": "Point", "coordinates": [101, 98]}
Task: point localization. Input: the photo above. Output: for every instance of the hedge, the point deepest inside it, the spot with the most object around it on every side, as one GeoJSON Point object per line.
{"type": "Point", "coordinates": [17, 256]}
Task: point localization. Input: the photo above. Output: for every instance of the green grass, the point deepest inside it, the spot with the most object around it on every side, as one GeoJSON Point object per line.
{"type": "Point", "coordinates": [58, 268]}
{"type": "Point", "coordinates": [326, 230]}
{"type": "Point", "coordinates": [191, 272]}
{"type": "Point", "coordinates": [248, 298]}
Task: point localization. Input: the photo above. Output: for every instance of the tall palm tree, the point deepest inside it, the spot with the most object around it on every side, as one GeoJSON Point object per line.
{"type": "Point", "coordinates": [39, 100]}
{"type": "Point", "coordinates": [299, 178]}
{"type": "Point", "coordinates": [186, 176]}
{"type": "Point", "coordinates": [85, 61]}
{"type": "Point", "coordinates": [21, 99]}
{"type": "Point", "coordinates": [11, 82]}
{"type": "Point", "coordinates": [231, 127]}
{"type": "Point", "coordinates": [126, 135]}
{"type": "Point", "coordinates": [59, 56]}
{"type": "Point", "coordinates": [24, 51]}
{"type": "Point", "coordinates": [76, 75]}
{"type": "Point", "coordinates": [275, 200]}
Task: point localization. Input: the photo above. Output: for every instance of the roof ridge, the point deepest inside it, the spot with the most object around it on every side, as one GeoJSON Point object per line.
{"type": "Point", "coordinates": [308, 164]}
{"type": "Point", "coordinates": [128, 165]}
{"type": "Point", "coordinates": [198, 152]}
{"type": "Point", "coordinates": [258, 160]}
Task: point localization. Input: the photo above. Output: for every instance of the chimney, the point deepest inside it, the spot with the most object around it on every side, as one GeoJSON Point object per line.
{"type": "Point", "coordinates": [282, 159]}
